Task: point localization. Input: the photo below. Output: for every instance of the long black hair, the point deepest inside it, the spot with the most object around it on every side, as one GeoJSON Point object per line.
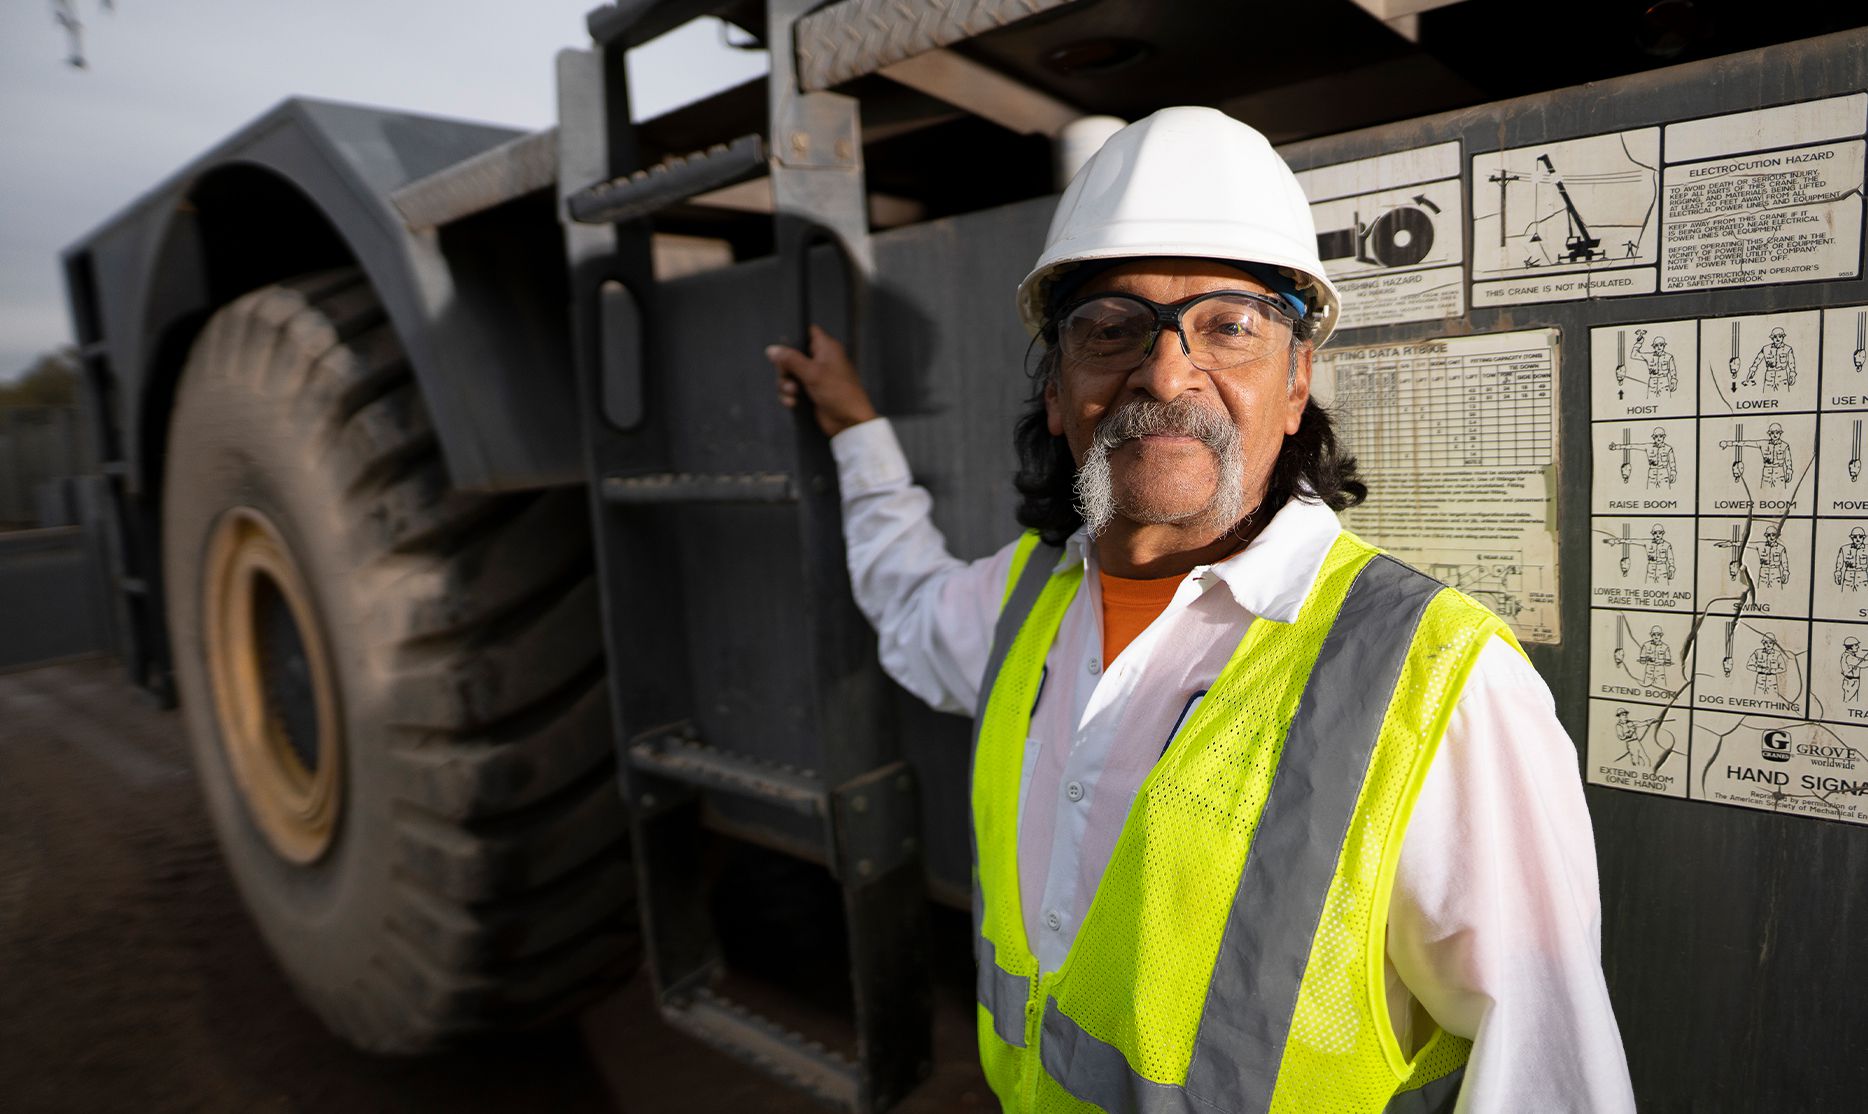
{"type": "Point", "coordinates": [1311, 466]}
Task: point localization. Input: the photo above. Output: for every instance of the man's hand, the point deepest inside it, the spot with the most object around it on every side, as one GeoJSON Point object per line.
{"type": "Point", "coordinates": [828, 377]}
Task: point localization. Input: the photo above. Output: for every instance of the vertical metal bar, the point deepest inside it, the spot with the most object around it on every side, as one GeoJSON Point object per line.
{"type": "Point", "coordinates": [644, 627]}
{"type": "Point", "coordinates": [818, 194]}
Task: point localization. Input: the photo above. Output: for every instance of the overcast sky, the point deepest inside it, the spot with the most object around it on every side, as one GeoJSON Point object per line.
{"type": "Point", "coordinates": [169, 78]}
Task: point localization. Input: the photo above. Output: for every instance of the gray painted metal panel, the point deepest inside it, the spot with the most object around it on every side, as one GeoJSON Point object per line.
{"type": "Point", "coordinates": [948, 369]}
{"type": "Point", "coordinates": [496, 381]}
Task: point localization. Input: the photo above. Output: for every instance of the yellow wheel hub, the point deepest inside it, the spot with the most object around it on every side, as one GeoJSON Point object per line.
{"type": "Point", "coordinates": [274, 693]}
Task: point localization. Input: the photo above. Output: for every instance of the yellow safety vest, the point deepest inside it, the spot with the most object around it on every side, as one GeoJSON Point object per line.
{"type": "Point", "coordinates": [1232, 956]}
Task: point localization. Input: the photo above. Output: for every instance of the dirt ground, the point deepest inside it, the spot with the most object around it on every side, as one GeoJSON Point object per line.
{"type": "Point", "coordinates": [130, 977]}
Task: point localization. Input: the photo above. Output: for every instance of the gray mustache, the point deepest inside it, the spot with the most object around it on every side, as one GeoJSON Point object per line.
{"type": "Point", "coordinates": [1180, 417]}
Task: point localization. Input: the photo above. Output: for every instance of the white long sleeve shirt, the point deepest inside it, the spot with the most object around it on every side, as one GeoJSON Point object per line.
{"type": "Point", "coordinates": [1494, 926]}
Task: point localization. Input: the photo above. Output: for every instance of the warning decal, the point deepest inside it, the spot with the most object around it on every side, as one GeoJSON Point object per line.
{"type": "Point", "coordinates": [1761, 199]}
{"type": "Point", "coordinates": [1573, 219]}
{"type": "Point", "coordinates": [1458, 440]}
{"type": "Point", "coordinates": [1729, 561]}
{"type": "Point", "coordinates": [1751, 198]}
{"type": "Point", "coordinates": [1389, 233]}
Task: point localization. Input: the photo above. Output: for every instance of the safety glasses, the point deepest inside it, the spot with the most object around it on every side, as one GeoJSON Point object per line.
{"type": "Point", "coordinates": [1219, 330]}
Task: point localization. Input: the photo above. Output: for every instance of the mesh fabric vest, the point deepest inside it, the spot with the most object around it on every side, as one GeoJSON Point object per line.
{"type": "Point", "coordinates": [1232, 956]}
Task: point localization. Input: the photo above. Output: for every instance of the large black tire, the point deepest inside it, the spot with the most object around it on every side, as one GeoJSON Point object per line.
{"type": "Point", "coordinates": [418, 806]}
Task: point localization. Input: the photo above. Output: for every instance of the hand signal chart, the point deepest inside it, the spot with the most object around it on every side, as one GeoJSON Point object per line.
{"type": "Point", "coordinates": [1729, 582]}
{"type": "Point", "coordinates": [1458, 439]}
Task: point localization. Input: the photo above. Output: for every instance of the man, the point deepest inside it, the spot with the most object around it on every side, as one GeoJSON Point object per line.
{"type": "Point", "coordinates": [1778, 361]}
{"type": "Point", "coordinates": [1631, 736]}
{"type": "Point", "coordinates": [1776, 453]}
{"type": "Point", "coordinates": [1852, 561]}
{"type": "Point", "coordinates": [1853, 658]}
{"type": "Point", "coordinates": [1660, 566]}
{"type": "Point", "coordinates": [1662, 467]}
{"type": "Point", "coordinates": [1773, 560]}
{"type": "Point", "coordinates": [1663, 372]}
{"type": "Point", "coordinates": [1768, 661]}
{"type": "Point", "coordinates": [1656, 657]}
{"type": "Point", "coordinates": [1776, 457]}
{"type": "Point", "coordinates": [1180, 676]}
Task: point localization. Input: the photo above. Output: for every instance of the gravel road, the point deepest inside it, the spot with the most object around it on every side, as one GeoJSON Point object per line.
{"type": "Point", "coordinates": [130, 978]}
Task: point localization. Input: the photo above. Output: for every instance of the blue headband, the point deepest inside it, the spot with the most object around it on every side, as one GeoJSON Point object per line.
{"type": "Point", "coordinates": [1274, 280]}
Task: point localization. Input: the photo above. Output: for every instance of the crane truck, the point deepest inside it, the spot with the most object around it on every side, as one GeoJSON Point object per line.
{"type": "Point", "coordinates": [449, 501]}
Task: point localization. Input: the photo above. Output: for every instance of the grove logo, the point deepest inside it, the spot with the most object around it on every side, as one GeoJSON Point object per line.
{"type": "Point", "coordinates": [1775, 745]}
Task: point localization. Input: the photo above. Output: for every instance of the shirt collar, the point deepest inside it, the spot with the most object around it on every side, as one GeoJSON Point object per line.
{"type": "Point", "coordinates": [1272, 575]}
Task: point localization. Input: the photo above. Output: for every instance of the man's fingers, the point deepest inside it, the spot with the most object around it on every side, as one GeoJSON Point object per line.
{"type": "Point", "coordinates": [824, 346]}
{"type": "Point", "coordinates": [789, 361]}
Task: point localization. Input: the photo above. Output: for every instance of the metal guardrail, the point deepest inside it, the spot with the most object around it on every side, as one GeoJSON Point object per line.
{"type": "Point", "coordinates": [53, 596]}
{"type": "Point", "coordinates": [38, 444]}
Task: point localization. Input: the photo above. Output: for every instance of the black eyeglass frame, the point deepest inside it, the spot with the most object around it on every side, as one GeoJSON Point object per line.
{"type": "Point", "coordinates": [1166, 315]}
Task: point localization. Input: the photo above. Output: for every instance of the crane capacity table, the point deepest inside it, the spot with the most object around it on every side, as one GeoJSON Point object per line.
{"type": "Point", "coordinates": [1442, 408]}
{"type": "Point", "coordinates": [1457, 438]}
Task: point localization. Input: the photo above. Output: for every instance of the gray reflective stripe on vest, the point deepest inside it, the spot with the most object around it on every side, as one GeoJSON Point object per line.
{"type": "Point", "coordinates": [1438, 1097]}
{"type": "Point", "coordinates": [1100, 1069]}
{"type": "Point", "coordinates": [1271, 928]}
{"type": "Point", "coordinates": [1002, 993]}
{"type": "Point", "coordinates": [1097, 1071]}
{"type": "Point", "coordinates": [1039, 566]}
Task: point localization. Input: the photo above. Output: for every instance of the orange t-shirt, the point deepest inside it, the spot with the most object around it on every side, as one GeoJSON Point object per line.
{"type": "Point", "coordinates": [1129, 606]}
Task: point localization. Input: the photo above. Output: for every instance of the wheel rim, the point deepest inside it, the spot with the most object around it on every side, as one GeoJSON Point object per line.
{"type": "Point", "coordinates": [273, 689]}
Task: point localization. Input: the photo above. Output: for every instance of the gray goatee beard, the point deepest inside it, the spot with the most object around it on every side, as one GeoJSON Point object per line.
{"type": "Point", "coordinates": [1095, 492]}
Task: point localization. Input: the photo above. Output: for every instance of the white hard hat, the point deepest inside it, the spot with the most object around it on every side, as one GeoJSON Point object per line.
{"type": "Point", "coordinates": [1187, 182]}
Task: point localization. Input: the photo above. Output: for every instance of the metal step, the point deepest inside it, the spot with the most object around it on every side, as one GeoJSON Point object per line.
{"type": "Point", "coordinates": [669, 182]}
{"type": "Point", "coordinates": [520, 166]}
{"type": "Point", "coordinates": [679, 758]}
{"type": "Point", "coordinates": [766, 1045]}
{"type": "Point", "coordinates": [695, 487]}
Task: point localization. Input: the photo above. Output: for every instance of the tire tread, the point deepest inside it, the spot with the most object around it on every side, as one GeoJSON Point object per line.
{"type": "Point", "coordinates": [512, 898]}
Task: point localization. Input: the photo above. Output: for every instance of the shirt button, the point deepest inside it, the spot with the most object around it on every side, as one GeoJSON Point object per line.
{"type": "Point", "coordinates": [1052, 921]}
{"type": "Point", "coordinates": [1095, 666]}
{"type": "Point", "coordinates": [1074, 791]}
